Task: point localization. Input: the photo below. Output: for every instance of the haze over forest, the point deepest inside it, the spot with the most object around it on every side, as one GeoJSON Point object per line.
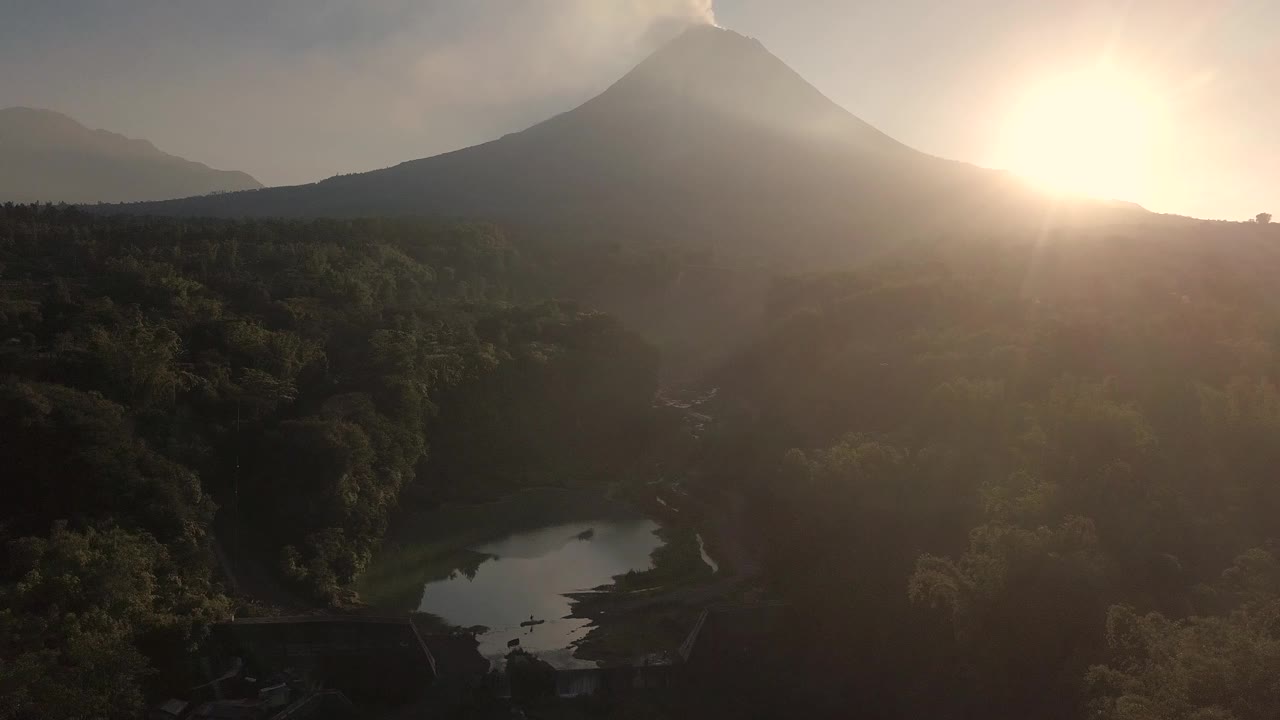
{"type": "Point", "coordinates": [902, 432]}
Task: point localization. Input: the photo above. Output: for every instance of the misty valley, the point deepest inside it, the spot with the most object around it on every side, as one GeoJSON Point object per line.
{"type": "Point", "coordinates": [702, 399]}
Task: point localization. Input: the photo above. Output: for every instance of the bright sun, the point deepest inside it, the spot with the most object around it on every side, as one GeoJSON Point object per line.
{"type": "Point", "coordinates": [1084, 133]}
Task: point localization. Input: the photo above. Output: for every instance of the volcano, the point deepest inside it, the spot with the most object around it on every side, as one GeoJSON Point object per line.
{"type": "Point", "coordinates": [712, 141]}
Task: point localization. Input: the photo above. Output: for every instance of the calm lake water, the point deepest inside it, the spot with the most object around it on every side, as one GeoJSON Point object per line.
{"type": "Point", "coordinates": [498, 564]}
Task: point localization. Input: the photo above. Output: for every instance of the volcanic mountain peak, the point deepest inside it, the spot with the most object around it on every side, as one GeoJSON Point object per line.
{"type": "Point", "coordinates": [711, 141]}
{"type": "Point", "coordinates": [710, 74]}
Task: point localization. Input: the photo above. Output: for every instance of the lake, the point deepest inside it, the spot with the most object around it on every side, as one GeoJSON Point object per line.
{"type": "Point", "coordinates": [500, 563]}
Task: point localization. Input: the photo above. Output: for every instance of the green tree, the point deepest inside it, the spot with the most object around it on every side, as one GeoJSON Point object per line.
{"type": "Point", "coordinates": [1025, 605]}
{"type": "Point", "coordinates": [1214, 667]}
{"type": "Point", "coordinates": [72, 455]}
{"type": "Point", "coordinates": [75, 611]}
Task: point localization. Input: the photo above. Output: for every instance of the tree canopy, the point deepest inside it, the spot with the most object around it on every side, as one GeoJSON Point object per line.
{"type": "Point", "coordinates": [1008, 475]}
{"type": "Point", "coordinates": [272, 387]}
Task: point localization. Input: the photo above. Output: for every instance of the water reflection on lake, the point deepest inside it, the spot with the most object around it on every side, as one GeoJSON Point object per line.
{"type": "Point", "coordinates": [499, 563]}
{"type": "Point", "coordinates": [525, 576]}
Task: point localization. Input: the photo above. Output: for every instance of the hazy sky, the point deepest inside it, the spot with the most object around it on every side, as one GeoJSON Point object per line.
{"type": "Point", "coordinates": [297, 90]}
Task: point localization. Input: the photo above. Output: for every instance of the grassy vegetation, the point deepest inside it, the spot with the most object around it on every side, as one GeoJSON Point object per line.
{"type": "Point", "coordinates": [648, 611]}
{"type": "Point", "coordinates": [676, 563]}
{"type": "Point", "coordinates": [620, 635]}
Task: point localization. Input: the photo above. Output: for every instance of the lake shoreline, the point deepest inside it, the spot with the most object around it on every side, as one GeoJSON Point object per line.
{"type": "Point", "coordinates": [511, 564]}
{"type": "Point", "coordinates": [437, 545]}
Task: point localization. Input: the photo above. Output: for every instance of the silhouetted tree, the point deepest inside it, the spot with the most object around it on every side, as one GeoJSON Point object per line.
{"type": "Point", "coordinates": [1264, 218]}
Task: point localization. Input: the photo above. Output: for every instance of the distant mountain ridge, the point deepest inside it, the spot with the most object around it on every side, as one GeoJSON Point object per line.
{"type": "Point", "coordinates": [710, 141]}
{"type": "Point", "coordinates": [49, 157]}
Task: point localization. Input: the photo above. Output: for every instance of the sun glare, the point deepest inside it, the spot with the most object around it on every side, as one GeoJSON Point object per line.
{"type": "Point", "coordinates": [1086, 133]}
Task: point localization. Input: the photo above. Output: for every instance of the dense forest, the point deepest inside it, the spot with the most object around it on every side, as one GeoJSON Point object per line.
{"type": "Point", "coordinates": [1002, 477]}
{"type": "Point", "coordinates": [1025, 479]}
{"type": "Point", "coordinates": [173, 391]}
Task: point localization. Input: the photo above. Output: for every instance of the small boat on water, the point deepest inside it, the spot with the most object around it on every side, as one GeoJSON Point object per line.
{"type": "Point", "coordinates": [586, 534]}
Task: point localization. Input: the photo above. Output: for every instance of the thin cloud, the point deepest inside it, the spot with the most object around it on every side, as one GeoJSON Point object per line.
{"type": "Point", "coordinates": [297, 90]}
